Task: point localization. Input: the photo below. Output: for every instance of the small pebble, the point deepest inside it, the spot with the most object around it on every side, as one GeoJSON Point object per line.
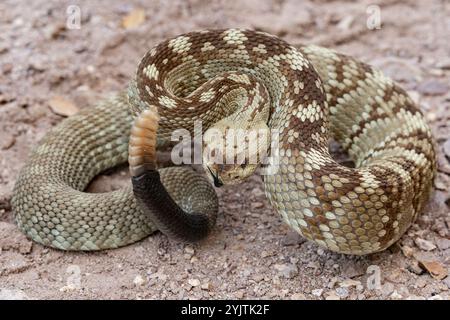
{"type": "Point", "coordinates": [292, 238]}
{"type": "Point", "coordinates": [194, 282]}
{"type": "Point", "coordinates": [420, 283]}
{"type": "Point", "coordinates": [414, 297]}
{"type": "Point", "coordinates": [189, 250]}
{"type": "Point", "coordinates": [415, 268]}
{"type": "Point", "coordinates": [206, 286]}
{"type": "Point", "coordinates": [395, 295]}
{"type": "Point", "coordinates": [286, 270]}
{"type": "Point", "coordinates": [443, 64]}
{"type": "Point", "coordinates": [12, 294]}
{"type": "Point", "coordinates": [349, 283]}
{"type": "Point", "coordinates": [317, 292]}
{"type": "Point", "coordinates": [342, 292]}
{"type": "Point", "coordinates": [447, 147]}
{"type": "Point", "coordinates": [352, 270]}
{"type": "Point", "coordinates": [257, 205]}
{"type": "Point", "coordinates": [443, 244]}
{"type": "Point", "coordinates": [407, 251]}
{"type": "Point", "coordinates": [8, 142]}
{"type": "Point", "coordinates": [139, 280]}
{"type": "Point", "coordinates": [387, 289]}
{"type": "Point", "coordinates": [446, 281]}
{"type": "Point", "coordinates": [332, 296]}
{"type": "Point", "coordinates": [424, 244]}
{"type": "Point", "coordinates": [432, 88]}
{"type": "Point", "coordinates": [298, 296]}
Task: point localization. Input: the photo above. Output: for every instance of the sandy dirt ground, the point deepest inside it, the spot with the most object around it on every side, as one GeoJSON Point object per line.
{"type": "Point", "coordinates": [49, 70]}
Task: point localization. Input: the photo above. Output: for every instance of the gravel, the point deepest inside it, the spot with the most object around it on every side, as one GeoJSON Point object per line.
{"type": "Point", "coordinates": [251, 254]}
{"type": "Point", "coordinates": [287, 270]}
{"type": "Point", "coordinates": [424, 244]}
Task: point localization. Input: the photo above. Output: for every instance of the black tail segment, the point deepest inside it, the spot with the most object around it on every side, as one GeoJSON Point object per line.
{"type": "Point", "coordinates": [168, 217]}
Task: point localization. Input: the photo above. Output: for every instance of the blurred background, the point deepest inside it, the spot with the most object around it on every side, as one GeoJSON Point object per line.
{"type": "Point", "coordinates": [57, 57]}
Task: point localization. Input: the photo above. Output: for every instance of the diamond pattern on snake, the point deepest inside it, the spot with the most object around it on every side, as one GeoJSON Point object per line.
{"type": "Point", "coordinates": [229, 80]}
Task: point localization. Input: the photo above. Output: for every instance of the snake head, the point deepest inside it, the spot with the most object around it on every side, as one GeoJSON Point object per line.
{"type": "Point", "coordinates": [231, 158]}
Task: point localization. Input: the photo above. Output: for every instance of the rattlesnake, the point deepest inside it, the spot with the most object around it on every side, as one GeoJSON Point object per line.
{"type": "Point", "coordinates": [247, 78]}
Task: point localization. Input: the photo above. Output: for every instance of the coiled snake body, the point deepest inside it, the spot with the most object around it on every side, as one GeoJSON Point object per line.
{"type": "Point", "coordinates": [231, 78]}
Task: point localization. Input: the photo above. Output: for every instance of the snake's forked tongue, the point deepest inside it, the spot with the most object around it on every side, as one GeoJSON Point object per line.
{"type": "Point", "coordinates": [150, 193]}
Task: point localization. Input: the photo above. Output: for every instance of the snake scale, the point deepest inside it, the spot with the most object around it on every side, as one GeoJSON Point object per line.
{"type": "Point", "coordinates": [235, 78]}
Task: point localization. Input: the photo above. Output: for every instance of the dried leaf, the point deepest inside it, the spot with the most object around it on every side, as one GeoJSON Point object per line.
{"type": "Point", "coordinates": [62, 106]}
{"type": "Point", "coordinates": [134, 19]}
{"type": "Point", "coordinates": [434, 268]}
